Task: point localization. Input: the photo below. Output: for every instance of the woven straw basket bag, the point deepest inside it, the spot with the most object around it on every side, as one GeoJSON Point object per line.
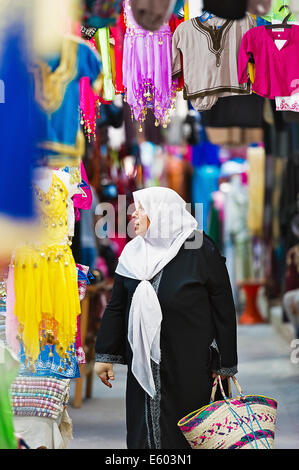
{"type": "Point", "coordinates": [244, 422]}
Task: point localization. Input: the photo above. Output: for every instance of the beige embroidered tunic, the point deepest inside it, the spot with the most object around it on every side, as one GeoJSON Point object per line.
{"type": "Point", "coordinates": [210, 58]}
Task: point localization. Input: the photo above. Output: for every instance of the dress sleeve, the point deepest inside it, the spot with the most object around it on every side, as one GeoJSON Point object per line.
{"type": "Point", "coordinates": [176, 55]}
{"type": "Point", "coordinates": [111, 338]}
{"type": "Point", "coordinates": [223, 310]}
{"type": "Point", "coordinates": [245, 54]}
{"type": "Point", "coordinates": [90, 64]}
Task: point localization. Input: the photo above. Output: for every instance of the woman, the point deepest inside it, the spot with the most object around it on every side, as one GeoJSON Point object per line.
{"type": "Point", "coordinates": [171, 300]}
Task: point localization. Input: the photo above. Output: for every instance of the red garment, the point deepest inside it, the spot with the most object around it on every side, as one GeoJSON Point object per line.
{"type": "Point", "coordinates": [292, 271]}
{"type": "Point", "coordinates": [174, 22]}
{"type": "Point", "coordinates": [118, 33]}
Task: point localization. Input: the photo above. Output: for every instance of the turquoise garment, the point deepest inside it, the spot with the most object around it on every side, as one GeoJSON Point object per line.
{"type": "Point", "coordinates": [101, 13]}
{"type": "Point", "coordinates": [59, 105]}
{"type": "Point", "coordinates": [204, 183]}
{"type": "Point", "coordinates": [275, 14]}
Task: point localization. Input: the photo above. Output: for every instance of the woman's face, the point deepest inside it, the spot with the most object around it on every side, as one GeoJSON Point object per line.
{"type": "Point", "coordinates": [141, 221]}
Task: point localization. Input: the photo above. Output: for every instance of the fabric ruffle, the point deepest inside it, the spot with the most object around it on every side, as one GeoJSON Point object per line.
{"type": "Point", "coordinates": [47, 300]}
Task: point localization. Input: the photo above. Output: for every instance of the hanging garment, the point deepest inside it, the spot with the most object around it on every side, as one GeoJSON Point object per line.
{"type": "Point", "coordinates": [288, 103]}
{"type": "Point", "coordinates": [276, 63]}
{"type": "Point", "coordinates": [57, 93]}
{"type": "Point", "coordinates": [102, 37]}
{"type": "Point", "coordinates": [46, 292]}
{"type": "Point", "coordinates": [292, 271]}
{"type": "Point", "coordinates": [256, 190]}
{"type": "Point", "coordinates": [89, 107]}
{"type": "Point", "coordinates": [235, 111]}
{"type": "Point", "coordinates": [118, 33]}
{"type": "Point", "coordinates": [50, 364]}
{"type": "Point", "coordinates": [289, 200]}
{"type": "Point", "coordinates": [215, 227]}
{"type": "Point", "coordinates": [101, 13]}
{"type": "Point", "coordinates": [236, 220]}
{"type": "Point", "coordinates": [228, 9]}
{"type": "Point", "coordinates": [83, 200]}
{"type": "Point", "coordinates": [11, 321]}
{"type": "Point", "coordinates": [277, 15]}
{"type": "Point", "coordinates": [277, 186]}
{"type": "Point", "coordinates": [218, 49]}
{"type": "Point", "coordinates": [204, 183]}
{"type": "Point", "coordinates": [147, 70]}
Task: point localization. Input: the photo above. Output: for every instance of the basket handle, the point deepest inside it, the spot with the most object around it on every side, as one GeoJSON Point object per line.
{"type": "Point", "coordinates": [218, 380]}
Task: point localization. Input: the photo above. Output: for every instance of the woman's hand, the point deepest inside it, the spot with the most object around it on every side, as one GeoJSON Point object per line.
{"type": "Point", "coordinates": [105, 372]}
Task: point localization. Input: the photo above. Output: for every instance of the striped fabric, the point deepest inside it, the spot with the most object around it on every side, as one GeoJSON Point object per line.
{"type": "Point", "coordinates": [37, 396]}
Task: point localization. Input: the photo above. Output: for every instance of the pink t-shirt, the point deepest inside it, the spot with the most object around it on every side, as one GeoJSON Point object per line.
{"type": "Point", "coordinates": [276, 65]}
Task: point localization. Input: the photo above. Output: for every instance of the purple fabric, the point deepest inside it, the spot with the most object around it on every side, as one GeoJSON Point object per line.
{"type": "Point", "coordinates": [147, 69]}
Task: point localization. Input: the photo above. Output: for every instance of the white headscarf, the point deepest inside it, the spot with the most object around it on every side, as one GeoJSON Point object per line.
{"type": "Point", "coordinates": [144, 257]}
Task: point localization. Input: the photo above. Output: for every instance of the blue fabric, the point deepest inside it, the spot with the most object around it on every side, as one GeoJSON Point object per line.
{"type": "Point", "coordinates": [17, 126]}
{"type": "Point", "coordinates": [49, 366]}
{"type": "Point", "coordinates": [102, 13]}
{"type": "Point", "coordinates": [63, 125]}
{"type": "Point", "coordinates": [178, 5]}
{"type": "Point", "coordinates": [205, 153]}
{"type": "Point", "coordinates": [89, 256]}
{"type": "Point", "coordinates": [261, 22]}
{"type": "Point", "coordinates": [204, 183]}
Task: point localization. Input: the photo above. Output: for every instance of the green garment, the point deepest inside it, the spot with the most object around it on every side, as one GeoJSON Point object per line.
{"type": "Point", "coordinates": [9, 367]}
{"type": "Point", "coordinates": [215, 227]}
{"type": "Point", "coordinates": [243, 260]}
{"type": "Point", "coordinates": [275, 14]}
{"type": "Point", "coordinates": [103, 45]}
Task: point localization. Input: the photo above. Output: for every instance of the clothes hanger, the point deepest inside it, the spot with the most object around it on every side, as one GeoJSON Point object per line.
{"type": "Point", "coordinates": [284, 24]}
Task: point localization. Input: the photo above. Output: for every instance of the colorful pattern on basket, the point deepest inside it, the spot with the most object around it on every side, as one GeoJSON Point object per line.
{"type": "Point", "coordinates": [257, 435]}
{"type": "Point", "coordinates": [215, 427]}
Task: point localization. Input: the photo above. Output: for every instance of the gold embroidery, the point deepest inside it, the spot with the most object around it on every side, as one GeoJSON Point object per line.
{"type": "Point", "coordinates": [75, 151]}
{"type": "Point", "coordinates": [67, 155]}
{"type": "Point", "coordinates": [50, 86]}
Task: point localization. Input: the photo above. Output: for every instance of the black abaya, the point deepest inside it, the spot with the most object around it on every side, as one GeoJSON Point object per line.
{"type": "Point", "coordinates": [197, 306]}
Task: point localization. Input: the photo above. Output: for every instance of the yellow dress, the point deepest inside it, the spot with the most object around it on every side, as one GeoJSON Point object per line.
{"type": "Point", "coordinates": [46, 292]}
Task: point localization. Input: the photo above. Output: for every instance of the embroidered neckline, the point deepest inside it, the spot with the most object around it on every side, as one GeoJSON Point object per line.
{"type": "Point", "coordinates": [50, 86]}
{"type": "Point", "coordinates": [215, 36]}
